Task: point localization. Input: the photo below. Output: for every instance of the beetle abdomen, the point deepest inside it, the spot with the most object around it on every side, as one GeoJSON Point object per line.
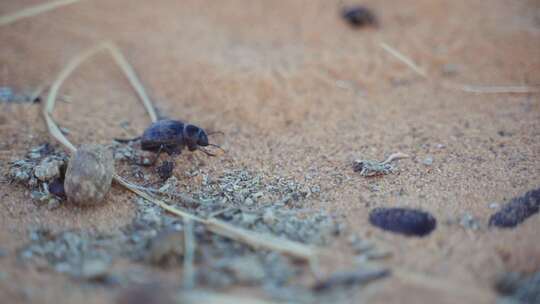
{"type": "Point", "coordinates": [163, 133]}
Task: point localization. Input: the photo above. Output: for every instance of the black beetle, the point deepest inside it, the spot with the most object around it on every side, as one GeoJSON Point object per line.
{"type": "Point", "coordinates": [171, 136]}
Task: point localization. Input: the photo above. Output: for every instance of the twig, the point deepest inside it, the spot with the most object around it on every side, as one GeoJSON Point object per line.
{"type": "Point", "coordinates": [183, 197]}
{"type": "Point", "coordinates": [210, 297]}
{"type": "Point", "coordinates": [404, 59]}
{"type": "Point", "coordinates": [34, 10]}
{"type": "Point", "coordinates": [259, 240]}
{"type": "Point", "coordinates": [189, 250]}
{"type": "Point", "coordinates": [515, 89]}
{"type": "Point", "coordinates": [498, 89]}
{"type": "Point", "coordinates": [395, 156]}
{"type": "Point", "coordinates": [122, 63]}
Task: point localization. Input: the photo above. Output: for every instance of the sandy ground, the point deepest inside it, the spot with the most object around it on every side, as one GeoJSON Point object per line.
{"type": "Point", "coordinates": [297, 91]}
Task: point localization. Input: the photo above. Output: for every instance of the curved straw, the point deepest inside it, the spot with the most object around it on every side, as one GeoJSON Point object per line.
{"type": "Point", "coordinates": [34, 10]}
{"type": "Point", "coordinates": [122, 63]}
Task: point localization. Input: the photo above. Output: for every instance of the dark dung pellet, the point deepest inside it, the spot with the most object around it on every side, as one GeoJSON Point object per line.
{"type": "Point", "coordinates": [410, 222]}
{"type": "Point", "coordinates": [359, 16]}
{"type": "Point", "coordinates": [517, 210]}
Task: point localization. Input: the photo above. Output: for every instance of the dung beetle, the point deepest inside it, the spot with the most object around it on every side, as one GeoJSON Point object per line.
{"type": "Point", "coordinates": [171, 136]}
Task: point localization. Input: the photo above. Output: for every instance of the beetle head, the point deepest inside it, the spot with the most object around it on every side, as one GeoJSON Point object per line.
{"type": "Point", "coordinates": [195, 136]}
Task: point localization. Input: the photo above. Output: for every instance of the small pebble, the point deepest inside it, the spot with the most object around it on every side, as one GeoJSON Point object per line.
{"type": "Point", "coordinates": [166, 247]}
{"type": "Point", "coordinates": [245, 270]}
{"type": "Point", "coordinates": [47, 169]}
{"type": "Point", "coordinates": [269, 218]}
{"type": "Point", "coordinates": [517, 210]}
{"type": "Point", "coordinates": [468, 221]}
{"type": "Point", "coordinates": [428, 161]}
{"type": "Point", "coordinates": [406, 221]}
{"type": "Point", "coordinates": [494, 206]}
{"type": "Point", "coordinates": [94, 270]}
{"type": "Point", "coordinates": [89, 175]}
{"type": "Point", "coordinates": [53, 203]}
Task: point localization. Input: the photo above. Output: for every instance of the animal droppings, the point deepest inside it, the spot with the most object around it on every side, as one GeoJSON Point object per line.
{"type": "Point", "coordinates": [517, 210]}
{"type": "Point", "coordinates": [89, 175]}
{"type": "Point", "coordinates": [406, 221]}
{"type": "Point", "coordinates": [359, 16]}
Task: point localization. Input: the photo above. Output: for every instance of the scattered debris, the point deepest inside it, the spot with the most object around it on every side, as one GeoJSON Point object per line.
{"type": "Point", "coordinates": [359, 16]}
{"type": "Point", "coordinates": [370, 168]}
{"type": "Point", "coordinates": [516, 288]}
{"type": "Point", "coordinates": [155, 236]}
{"type": "Point", "coordinates": [8, 96]}
{"type": "Point", "coordinates": [89, 175]}
{"type": "Point", "coordinates": [517, 210]}
{"type": "Point", "coordinates": [345, 279]}
{"type": "Point", "coordinates": [406, 221]}
{"type": "Point", "coordinates": [42, 171]}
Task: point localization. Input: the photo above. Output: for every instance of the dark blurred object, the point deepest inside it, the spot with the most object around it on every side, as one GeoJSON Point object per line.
{"type": "Point", "coordinates": [147, 293]}
{"type": "Point", "coordinates": [165, 170]}
{"type": "Point", "coordinates": [359, 16]}
{"type": "Point", "coordinates": [56, 187]}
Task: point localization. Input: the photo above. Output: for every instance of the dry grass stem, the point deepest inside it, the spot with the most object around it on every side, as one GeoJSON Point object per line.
{"type": "Point", "coordinates": [395, 156]}
{"type": "Point", "coordinates": [209, 297]}
{"type": "Point", "coordinates": [34, 10]}
{"type": "Point", "coordinates": [181, 196]}
{"type": "Point", "coordinates": [189, 251]}
{"type": "Point", "coordinates": [406, 60]}
{"type": "Point", "coordinates": [118, 58]}
{"type": "Point", "coordinates": [512, 89]}
{"type": "Point", "coordinates": [250, 238]}
{"type": "Point", "coordinates": [499, 89]}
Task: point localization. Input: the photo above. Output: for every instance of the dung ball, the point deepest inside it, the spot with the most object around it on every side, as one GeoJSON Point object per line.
{"type": "Point", "coordinates": [89, 175]}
